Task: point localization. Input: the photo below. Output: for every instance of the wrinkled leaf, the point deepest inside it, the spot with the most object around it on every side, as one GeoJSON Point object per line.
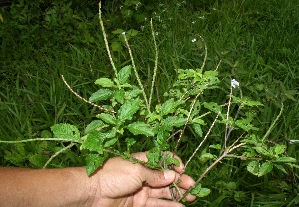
{"type": "Point", "coordinates": [94, 125]}
{"type": "Point", "coordinates": [124, 74]}
{"type": "Point", "coordinates": [107, 118]}
{"type": "Point", "coordinates": [141, 128]}
{"type": "Point", "coordinates": [172, 121]}
{"type": "Point", "coordinates": [205, 157]}
{"type": "Point", "coordinates": [170, 106]}
{"type": "Point", "coordinates": [130, 142]}
{"type": "Point", "coordinates": [66, 131]}
{"type": "Point", "coordinates": [105, 82]}
{"type": "Point", "coordinates": [128, 109]}
{"type": "Point", "coordinates": [253, 167]}
{"type": "Point", "coordinates": [100, 95]}
{"type": "Point", "coordinates": [197, 129]}
{"type": "Point", "coordinates": [119, 96]}
{"type": "Point", "coordinates": [265, 168]}
{"type": "Point", "coordinates": [212, 106]}
{"type": "Point", "coordinates": [279, 149]}
{"type": "Point", "coordinates": [93, 162]}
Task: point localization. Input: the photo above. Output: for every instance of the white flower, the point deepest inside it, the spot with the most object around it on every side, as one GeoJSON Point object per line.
{"type": "Point", "coordinates": [235, 83]}
{"type": "Point", "coordinates": [193, 40]}
{"type": "Point", "coordinates": [193, 22]}
{"type": "Point", "coordinates": [124, 33]}
{"type": "Point", "coordinates": [202, 17]}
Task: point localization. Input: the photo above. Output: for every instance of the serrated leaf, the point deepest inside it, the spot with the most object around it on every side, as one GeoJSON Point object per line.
{"type": "Point", "coordinates": [197, 129]}
{"type": "Point", "coordinates": [141, 128]}
{"type": "Point", "coordinates": [110, 142]}
{"type": "Point", "coordinates": [105, 82]}
{"type": "Point", "coordinates": [245, 124]}
{"type": "Point", "coordinates": [170, 106]}
{"type": "Point", "coordinates": [95, 140]}
{"type": "Point", "coordinates": [101, 95]}
{"type": "Point", "coordinates": [200, 192]}
{"type": "Point", "coordinates": [94, 125]}
{"type": "Point", "coordinates": [253, 167]}
{"type": "Point", "coordinates": [66, 131]}
{"type": "Point", "coordinates": [133, 93]}
{"type": "Point", "coordinates": [265, 168]}
{"type": "Point", "coordinates": [93, 162]}
{"type": "Point", "coordinates": [38, 160]}
{"type": "Point", "coordinates": [130, 142]}
{"type": "Point", "coordinates": [198, 121]}
{"type": "Point", "coordinates": [172, 121]}
{"type": "Point", "coordinates": [285, 159]}
{"type": "Point", "coordinates": [215, 146]}
{"type": "Point", "coordinates": [119, 96]}
{"type": "Point", "coordinates": [124, 74]}
{"type": "Point", "coordinates": [279, 149]}
{"type": "Point", "coordinates": [128, 109]}
{"type": "Point", "coordinates": [212, 106]}
{"type": "Point", "coordinates": [205, 157]}
{"type": "Point", "coordinates": [107, 118]}
{"type": "Point", "coordinates": [170, 160]}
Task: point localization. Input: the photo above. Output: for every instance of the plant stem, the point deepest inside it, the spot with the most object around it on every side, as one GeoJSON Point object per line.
{"type": "Point", "coordinates": [273, 123]}
{"type": "Point", "coordinates": [106, 43]}
{"type": "Point", "coordinates": [156, 64]}
{"type": "Point", "coordinates": [83, 99]}
{"type": "Point", "coordinates": [206, 136]}
{"type": "Point", "coordinates": [136, 74]}
{"type": "Point", "coordinates": [41, 139]}
{"type": "Point", "coordinates": [225, 153]}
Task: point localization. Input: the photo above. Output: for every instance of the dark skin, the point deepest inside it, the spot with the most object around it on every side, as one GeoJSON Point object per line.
{"type": "Point", "coordinates": [118, 183]}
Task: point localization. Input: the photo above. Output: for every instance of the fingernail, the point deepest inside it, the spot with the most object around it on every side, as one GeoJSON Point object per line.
{"type": "Point", "coordinates": [169, 174]}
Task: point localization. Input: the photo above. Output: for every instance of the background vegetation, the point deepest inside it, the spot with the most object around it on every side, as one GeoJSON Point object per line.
{"type": "Point", "coordinates": [256, 41]}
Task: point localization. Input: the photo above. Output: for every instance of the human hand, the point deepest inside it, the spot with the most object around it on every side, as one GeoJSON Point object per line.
{"type": "Point", "coordinates": [120, 183]}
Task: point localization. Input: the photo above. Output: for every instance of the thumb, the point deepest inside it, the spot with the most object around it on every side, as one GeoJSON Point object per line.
{"type": "Point", "coordinates": [156, 178]}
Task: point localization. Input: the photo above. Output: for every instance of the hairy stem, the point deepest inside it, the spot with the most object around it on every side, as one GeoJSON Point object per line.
{"type": "Point", "coordinates": [83, 99]}
{"type": "Point", "coordinates": [205, 138]}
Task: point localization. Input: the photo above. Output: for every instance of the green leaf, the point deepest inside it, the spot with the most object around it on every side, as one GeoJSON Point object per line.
{"type": "Point", "coordinates": [105, 82]}
{"type": "Point", "coordinates": [107, 118]}
{"type": "Point", "coordinates": [265, 168]}
{"type": "Point", "coordinates": [170, 106]}
{"type": "Point", "coordinates": [124, 74]}
{"type": "Point", "coordinates": [199, 191]}
{"type": "Point", "coordinates": [281, 168]}
{"type": "Point", "coordinates": [119, 96]}
{"type": "Point", "coordinates": [212, 106]}
{"type": "Point", "coordinates": [197, 129]}
{"type": "Point", "coordinates": [95, 140]}
{"type": "Point", "coordinates": [110, 142]}
{"type": "Point", "coordinates": [46, 134]}
{"type": "Point", "coordinates": [133, 93]}
{"type": "Point", "coordinates": [205, 157]}
{"type": "Point", "coordinates": [253, 167]}
{"type": "Point", "coordinates": [130, 142]}
{"type": "Point", "coordinates": [198, 121]}
{"type": "Point", "coordinates": [285, 159]}
{"type": "Point", "coordinates": [100, 95]}
{"type": "Point", "coordinates": [116, 46]}
{"type": "Point", "coordinates": [66, 131]}
{"type": "Point", "coordinates": [38, 160]}
{"type": "Point", "coordinates": [215, 146]}
{"type": "Point", "coordinates": [93, 162]}
{"type": "Point", "coordinates": [279, 149]}
{"type": "Point", "coordinates": [170, 160]}
{"type": "Point", "coordinates": [245, 124]}
{"type": "Point", "coordinates": [94, 125]}
{"type": "Point", "coordinates": [128, 109]}
{"type": "Point", "coordinates": [141, 128]}
{"type": "Point", "coordinates": [172, 121]}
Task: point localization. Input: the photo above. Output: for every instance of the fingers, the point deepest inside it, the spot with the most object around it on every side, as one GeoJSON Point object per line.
{"type": "Point", "coordinates": [142, 156]}
{"type": "Point", "coordinates": [162, 203]}
{"type": "Point", "coordinates": [157, 178]}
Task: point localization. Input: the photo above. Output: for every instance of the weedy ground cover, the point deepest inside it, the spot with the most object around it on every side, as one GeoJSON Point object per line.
{"type": "Point", "coordinates": [253, 40]}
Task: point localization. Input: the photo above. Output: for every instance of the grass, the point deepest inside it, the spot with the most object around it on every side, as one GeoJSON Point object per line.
{"type": "Point", "coordinates": [256, 41]}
